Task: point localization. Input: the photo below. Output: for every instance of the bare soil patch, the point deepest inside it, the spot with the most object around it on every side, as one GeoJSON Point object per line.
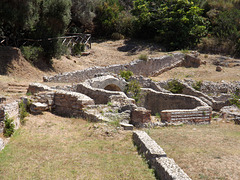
{"type": "Point", "coordinates": [203, 151]}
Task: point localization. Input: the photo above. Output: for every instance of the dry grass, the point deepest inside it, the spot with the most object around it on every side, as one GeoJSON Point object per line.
{"type": "Point", "coordinates": [203, 151]}
{"type": "Point", "coordinates": [204, 72]}
{"type": "Point", "coordinates": [52, 147]}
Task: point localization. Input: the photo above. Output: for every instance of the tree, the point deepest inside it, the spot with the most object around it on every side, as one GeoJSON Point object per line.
{"type": "Point", "coordinates": [178, 24]}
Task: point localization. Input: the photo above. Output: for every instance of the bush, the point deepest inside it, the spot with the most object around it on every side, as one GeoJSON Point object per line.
{"type": "Point", "coordinates": [197, 85]}
{"type": "Point", "coordinates": [177, 24]}
{"type": "Point", "coordinates": [134, 90]}
{"type": "Point", "coordinates": [143, 57]}
{"type": "Point", "coordinates": [235, 99]}
{"type": "Point", "coordinates": [126, 74]}
{"type": "Point", "coordinates": [117, 36]}
{"type": "Point", "coordinates": [175, 87]}
{"type": "Point", "coordinates": [78, 48]}
{"type": "Point", "coordinates": [9, 126]}
{"type": "Point", "coordinates": [23, 111]}
{"type": "Point", "coordinates": [32, 53]}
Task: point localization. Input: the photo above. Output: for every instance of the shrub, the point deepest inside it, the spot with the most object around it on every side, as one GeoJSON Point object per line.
{"type": "Point", "coordinates": [197, 85]}
{"type": "Point", "coordinates": [78, 48]}
{"type": "Point", "coordinates": [134, 90]}
{"type": "Point", "coordinates": [117, 36]}
{"type": "Point", "coordinates": [32, 53]}
{"type": "Point", "coordinates": [175, 86]}
{"type": "Point", "coordinates": [23, 111]}
{"type": "Point", "coordinates": [143, 57]}
{"type": "Point", "coordinates": [126, 74]}
{"type": "Point", "coordinates": [235, 99]}
{"type": "Point", "coordinates": [9, 126]}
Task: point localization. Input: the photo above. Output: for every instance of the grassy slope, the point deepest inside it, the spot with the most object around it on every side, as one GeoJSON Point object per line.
{"type": "Point", "coordinates": [203, 151]}
{"type": "Point", "coordinates": [52, 147]}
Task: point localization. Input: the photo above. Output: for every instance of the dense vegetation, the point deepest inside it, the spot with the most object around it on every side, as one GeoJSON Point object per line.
{"type": "Point", "coordinates": [209, 25]}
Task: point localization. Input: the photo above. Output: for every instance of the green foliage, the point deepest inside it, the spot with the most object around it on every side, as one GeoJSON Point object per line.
{"type": "Point", "coordinates": [235, 99]}
{"type": "Point", "coordinates": [163, 18]}
{"type": "Point", "coordinates": [134, 90]}
{"type": "Point", "coordinates": [197, 85]}
{"type": "Point", "coordinates": [158, 115]}
{"type": "Point", "coordinates": [106, 18]}
{"type": "Point", "coordinates": [109, 103]}
{"type": "Point", "coordinates": [126, 74]}
{"type": "Point", "coordinates": [117, 36]}
{"type": "Point", "coordinates": [175, 86]}
{"type": "Point", "coordinates": [78, 48]}
{"type": "Point", "coordinates": [143, 57]}
{"type": "Point", "coordinates": [8, 126]}
{"type": "Point", "coordinates": [23, 111]}
{"type": "Point", "coordinates": [31, 53]}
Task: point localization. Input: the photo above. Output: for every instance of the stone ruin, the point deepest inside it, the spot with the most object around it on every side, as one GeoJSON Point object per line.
{"type": "Point", "coordinates": [97, 94]}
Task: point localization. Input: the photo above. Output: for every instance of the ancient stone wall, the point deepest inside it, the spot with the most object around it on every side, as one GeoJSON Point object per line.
{"type": "Point", "coordinates": [151, 67]}
{"type": "Point", "coordinates": [158, 101]}
{"type": "Point", "coordinates": [70, 103]}
{"type": "Point", "coordinates": [100, 96]}
{"type": "Point", "coordinates": [199, 115]}
{"type": "Point", "coordinates": [165, 168]}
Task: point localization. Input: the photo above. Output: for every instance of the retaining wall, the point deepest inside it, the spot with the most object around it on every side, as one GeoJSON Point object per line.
{"type": "Point", "coordinates": [151, 67]}
{"type": "Point", "coordinates": [165, 168]}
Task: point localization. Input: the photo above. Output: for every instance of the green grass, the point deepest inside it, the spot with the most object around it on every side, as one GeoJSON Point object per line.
{"type": "Point", "coordinates": [51, 147]}
{"type": "Point", "coordinates": [203, 151]}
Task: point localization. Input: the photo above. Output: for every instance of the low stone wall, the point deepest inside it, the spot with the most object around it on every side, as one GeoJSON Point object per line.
{"type": "Point", "coordinates": [159, 101]}
{"type": "Point", "coordinates": [12, 110]}
{"type": "Point", "coordinates": [199, 115]}
{"type": "Point", "coordinates": [34, 88]}
{"type": "Point", "coordinates": [165, 168]}
{"type": "Point", "coordinates": [70, 103]}
{"type": "Point", "coordinates": [100, 96]}
{"type": "Point", "coordinates": [151, 67]}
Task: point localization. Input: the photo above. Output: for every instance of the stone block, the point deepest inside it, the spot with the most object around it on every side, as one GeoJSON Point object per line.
{"type": "Point", "coordinates": [126, 126]}
{"type": "Point", "coordinates": [140, 115]}
{"type": "Point", "coordinates": [38, 108]}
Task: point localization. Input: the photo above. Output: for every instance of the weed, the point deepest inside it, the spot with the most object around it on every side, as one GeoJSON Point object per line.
{"type": "Point", "coordinates": [197, 85]}
{"type": "Point", "coordinates": [175, 86]}
{"type": "Point", "coordinates": [9, 126]}
{"type": "Point", "coordinates": [115, 123]}
{"type": "Point", "coordinates": [110, 110]}
{"type": "Point", "coordinates": [143, 57]}
{"type": "Point", "coordinates": [126, 74]}
{"type": "Point", "coordinates": [184, 51]}
{"type": "Point", "coordinates": [109, 103]}
{"type": "Point", "coordinates": [23, 112]}
{"type": "Point", "coordinates": [205, 56]}
{"type": "Point", "coordinates": [78, 48]}
{"type": "Point", "coordinates": [28, 93]}
{"type": "Point", "coordinates": [158, 115]}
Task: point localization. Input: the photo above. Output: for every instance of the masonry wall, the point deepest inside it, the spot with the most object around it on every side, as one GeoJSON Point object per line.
{"type": "Point", "coordinates": [100, 96]}
{"type": "Point", "coordinates": [150, 67]}
{"type": "Point", "coordinates": [199, 115]}
{"type": "Point", "coordinates": [165, 168]}
{"type": "Point", "coordinates": [158, 101]}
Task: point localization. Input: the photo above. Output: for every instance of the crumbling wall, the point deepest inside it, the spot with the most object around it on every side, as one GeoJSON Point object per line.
{"type": "Point", "coordinates": [151, 67]}
{"type": "Point", "coordinates": [158, 101]}
{"type": "Point", "coordinates": [100, 96]}
{"type": "Point", "coordinates": [70, 103]}
{"type": "Point", "coordinates": [165, 168]}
